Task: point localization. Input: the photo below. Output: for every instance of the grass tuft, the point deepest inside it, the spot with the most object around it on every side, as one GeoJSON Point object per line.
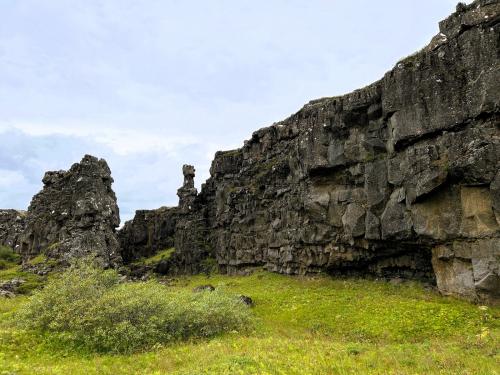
{"type": "Point", "coordinates": [8, 258]}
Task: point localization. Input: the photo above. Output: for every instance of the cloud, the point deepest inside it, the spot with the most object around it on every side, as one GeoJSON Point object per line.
{"type": "Point", "coordinates": [10, 179]}
{"type": "Point", "coordinates": [120, 141]}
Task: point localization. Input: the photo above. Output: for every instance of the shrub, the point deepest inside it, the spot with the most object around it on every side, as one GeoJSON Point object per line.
{"type": "Point", "coordinates": [89, 308]}
{"type": "Point", "coordinates": [209, 266]}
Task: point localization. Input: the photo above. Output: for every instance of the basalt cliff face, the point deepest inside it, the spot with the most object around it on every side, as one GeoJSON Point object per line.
{"type": "Point", "coordinates": [400, 178]}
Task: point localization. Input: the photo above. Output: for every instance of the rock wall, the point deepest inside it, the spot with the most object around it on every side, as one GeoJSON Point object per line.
{"type": "Point", "coordinates": [149, 232]}
{"type": "Point", "coordinates": [183, 227]}
{"type": "Point", "coordinates": [74, 215]}
{"type": "Point", "coordinates": [12, 224]}
{"type": "Point", "coordinates": [400, 178]}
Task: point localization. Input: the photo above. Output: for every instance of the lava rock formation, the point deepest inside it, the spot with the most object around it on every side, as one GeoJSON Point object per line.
{"type": "Point", "coordinates": [399, 179]}
{"type": "Point", "coordinates": [74, 215]}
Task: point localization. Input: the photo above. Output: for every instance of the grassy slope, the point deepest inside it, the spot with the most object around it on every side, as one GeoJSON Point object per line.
{"type": "Point", "coordinates": [302, 326]}
{"type": "Point", "coordinates": [159, 256]}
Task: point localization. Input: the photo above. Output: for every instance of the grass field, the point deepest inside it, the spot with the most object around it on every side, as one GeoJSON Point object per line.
{"type": "Point", "coordinates": [300, 326]}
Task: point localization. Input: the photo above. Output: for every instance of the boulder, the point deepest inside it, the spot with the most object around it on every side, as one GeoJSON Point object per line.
{"type": "Point", "coordinates": [246, 300]}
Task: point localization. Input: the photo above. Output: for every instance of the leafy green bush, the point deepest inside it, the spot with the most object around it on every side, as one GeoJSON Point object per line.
{"type": "Point", "coordinates": [89, 308]}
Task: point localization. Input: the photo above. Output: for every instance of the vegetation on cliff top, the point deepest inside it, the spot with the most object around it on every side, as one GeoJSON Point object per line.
{"type": "Point", "coordinates": [301, 326]}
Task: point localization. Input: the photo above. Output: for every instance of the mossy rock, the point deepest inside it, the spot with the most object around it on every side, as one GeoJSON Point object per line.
{"type": "Point", "coordinates": [162, 255]}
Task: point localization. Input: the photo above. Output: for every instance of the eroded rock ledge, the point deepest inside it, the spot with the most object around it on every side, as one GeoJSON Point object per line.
{"type": "Point", "coordinates": [400, 178]}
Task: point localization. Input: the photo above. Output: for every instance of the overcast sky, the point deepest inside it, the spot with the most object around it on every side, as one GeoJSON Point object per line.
{"type": "Point", "coordinates": [150, 85]}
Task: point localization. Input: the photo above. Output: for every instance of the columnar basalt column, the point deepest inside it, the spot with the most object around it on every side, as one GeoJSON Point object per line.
{"type": "Point", "coordinates": [187, 193]}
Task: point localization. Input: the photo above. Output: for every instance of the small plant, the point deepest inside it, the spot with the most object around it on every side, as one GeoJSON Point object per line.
{"type": "Point", "coordinates": [209, 266]}
{"type": "Point", "coordinates": [484, 332]}
{"type": "Point", "coordinates": [39, 259]}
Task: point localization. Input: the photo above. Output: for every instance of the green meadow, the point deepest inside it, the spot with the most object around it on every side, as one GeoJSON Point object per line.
{"type": "Point", "coordinates": [299, 325]}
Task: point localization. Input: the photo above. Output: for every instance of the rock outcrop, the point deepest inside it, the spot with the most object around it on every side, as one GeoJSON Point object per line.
{"type": "Point", "coordinates": [74, 215]}
{"type": "Point", "coordinates": [399, 179]}
{"type": "Point", "coordinates": [12, 224]}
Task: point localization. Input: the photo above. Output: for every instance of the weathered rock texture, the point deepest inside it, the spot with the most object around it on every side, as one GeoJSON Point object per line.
{"type": "Point", "coordinates": [400, 178]}
{"type": "Point", "coordinates": [74, 215]}
{"type": "Point", "coordinates": [149, 232]}
{"type": "Point", "coordinates": [12, 223]}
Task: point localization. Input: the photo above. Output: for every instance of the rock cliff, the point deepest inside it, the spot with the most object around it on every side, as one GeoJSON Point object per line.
{"type": "Point", "coordinates": [149, 232]}
{"type": "Point", "coordinates": [12, 223]}
{"type": "Point", "coordinates": [400, 178]}
{"type": "Point", "coordinates": [74, 215]}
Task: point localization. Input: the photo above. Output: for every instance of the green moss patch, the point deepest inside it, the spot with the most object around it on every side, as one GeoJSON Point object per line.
{"type": "Point", "coordinates": [159, 256]}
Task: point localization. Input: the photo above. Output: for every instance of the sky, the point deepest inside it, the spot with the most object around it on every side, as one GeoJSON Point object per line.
{"type": "Point", "coordinates": [150, 85]}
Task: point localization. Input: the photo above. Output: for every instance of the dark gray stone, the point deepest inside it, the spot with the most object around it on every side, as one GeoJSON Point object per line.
{"type": "Point", "coordinates": [12, 225]}
{"type": "Point", "coordinates": [246, 301]}
{"type": "Point", "coordinates": [74, 215]}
